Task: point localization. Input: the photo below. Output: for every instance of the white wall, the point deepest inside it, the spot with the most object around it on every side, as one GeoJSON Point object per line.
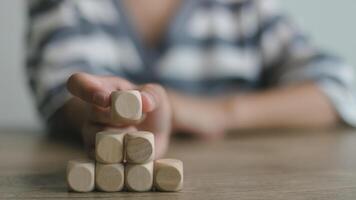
{"type": "Point", "coordinates": [330, 23]}
{"type": "Point", "coordinates": [16, 105]}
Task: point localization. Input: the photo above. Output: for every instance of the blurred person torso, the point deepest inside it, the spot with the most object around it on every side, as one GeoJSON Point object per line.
{"type": "Point", "coordinates": [197, 46]}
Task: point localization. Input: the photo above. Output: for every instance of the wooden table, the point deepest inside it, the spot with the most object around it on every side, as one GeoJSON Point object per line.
{"type": "Point", "coordinates": [256, 165]}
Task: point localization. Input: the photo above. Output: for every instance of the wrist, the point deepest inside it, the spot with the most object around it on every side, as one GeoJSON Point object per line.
{"type": "Point", "coordinates": [237, 112]}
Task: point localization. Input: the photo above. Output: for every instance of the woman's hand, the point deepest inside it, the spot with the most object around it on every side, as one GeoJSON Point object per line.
{"type": "Point", "coordinates": [203, 117]}
{"type": "Point", "coordinates": [94, 93]}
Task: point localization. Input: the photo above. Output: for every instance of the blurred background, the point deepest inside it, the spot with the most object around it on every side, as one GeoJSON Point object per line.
{"type": "Point", "coordinates": [329, 23]}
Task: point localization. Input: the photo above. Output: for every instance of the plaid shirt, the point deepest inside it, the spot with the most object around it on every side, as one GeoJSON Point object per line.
{"type": "Point", "coordinates": [210, 47]}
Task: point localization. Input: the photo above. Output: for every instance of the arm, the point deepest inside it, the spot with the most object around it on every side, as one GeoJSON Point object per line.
{"type": "Point", "coordinates": [299, 106]}
{"type": "Point", "coordinates": [305, 85]}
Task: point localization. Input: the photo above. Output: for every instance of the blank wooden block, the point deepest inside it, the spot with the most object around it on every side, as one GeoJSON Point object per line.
{"type": "Point", "coordinates": [81, 175]}
{"type": "Point", "coordinates": [168, 175]}
{"type": "Point", "coordinates": [109, 147]}
{"type": "Point", "coordinates": [109, 177]}
{"type": "Point", "coordinates": [139, 147]}
{"type": "Point", "coordinates": [139, 177]}
{"type": "Point", "coordinates": [126, 105]}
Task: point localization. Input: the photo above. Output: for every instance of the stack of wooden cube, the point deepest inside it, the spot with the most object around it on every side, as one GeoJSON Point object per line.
{"type": "Point", "coordinates": [125, 160]}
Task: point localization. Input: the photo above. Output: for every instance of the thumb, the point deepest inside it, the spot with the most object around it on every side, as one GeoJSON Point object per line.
{"type": "Point", "coordinates": [152, 95]}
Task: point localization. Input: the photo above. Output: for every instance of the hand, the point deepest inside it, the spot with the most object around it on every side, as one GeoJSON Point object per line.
{"type": "Point", "coordinates": [203, 117]}
{"type": "Point", "coordinates": [95, 91]}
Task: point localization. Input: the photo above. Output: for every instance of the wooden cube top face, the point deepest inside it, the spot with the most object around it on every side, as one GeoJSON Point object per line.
{"type": "Point", "coordinates": [126, 105]}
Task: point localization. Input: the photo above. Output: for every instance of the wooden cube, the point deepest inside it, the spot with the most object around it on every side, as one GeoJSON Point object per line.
{"type": "Point", "coordinates": [109, 147]}
{"type": "Point", "coordinates": [126, 105]}
{"type": "Point", "coordinates": [139, 147]}
{"type": "Point", "coordinates": [109, 177]}
{"type": "Point", "coordinates": [139, 177]}
{"type": "Point", "coordinates": [168, 175]}
{"type": "Point", "coordinates": [81, 175]}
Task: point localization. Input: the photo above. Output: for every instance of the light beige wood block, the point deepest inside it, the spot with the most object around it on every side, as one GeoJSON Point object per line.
{"type": "Point", "coordinates": [126, 105]}
{"type": "Point", "coordinates": [139, 177]}
{"type": "Point", "coordinates": [139, 147]}
{"type": "Point", "coordinates": [81, 175]}
{"type": "Point", "coordinates": [109, 147]}
{"type": "Point", "coordinates": [168, 175]}
{"type": "Point", "coordinates": [109, 177]}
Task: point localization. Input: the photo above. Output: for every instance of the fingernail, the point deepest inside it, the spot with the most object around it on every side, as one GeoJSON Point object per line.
{"type": "Point", "coordinates": [150, 98]}
{"type": "Point", "coordinates": [99, 98]}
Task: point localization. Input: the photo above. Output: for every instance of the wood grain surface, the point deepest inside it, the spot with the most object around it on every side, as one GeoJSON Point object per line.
{"type": "Point", "coordinates": [246, 165]}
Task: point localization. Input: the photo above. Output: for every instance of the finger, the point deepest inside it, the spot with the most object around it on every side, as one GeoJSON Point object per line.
{"type": "Point", "coordinates": [96, 89]}
{"type": "Point", "coordinates": [88, 88]}
{"type": "Point", "coordinates": [152, 95]}
{"type": "Point", "coordinates": [101, 115]}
